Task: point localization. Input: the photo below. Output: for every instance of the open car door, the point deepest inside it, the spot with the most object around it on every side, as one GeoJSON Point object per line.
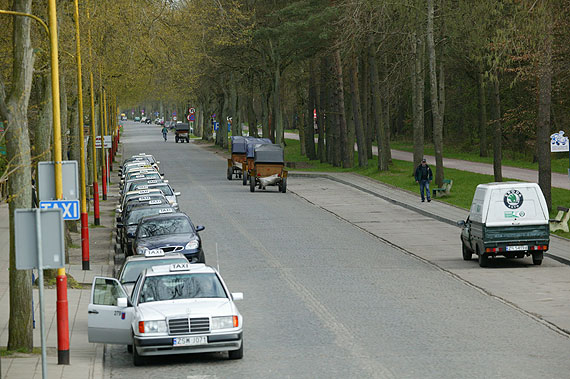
{"type": "Point", "coordinates": [109, 319]}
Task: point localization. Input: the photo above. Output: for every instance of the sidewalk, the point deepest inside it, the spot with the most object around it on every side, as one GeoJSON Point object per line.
{"type": "Point", "coordinates": [86, 359]}
{"type": "Point", "coordinates": [429, 232]}
{"type": "Point", "coordinates": [527, 175]}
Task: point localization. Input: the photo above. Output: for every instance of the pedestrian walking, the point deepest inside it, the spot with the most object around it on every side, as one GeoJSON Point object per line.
{"type": "Point", "coordinates": [424, 176]}
{"type": "Point", "coordinates": [164, 132]}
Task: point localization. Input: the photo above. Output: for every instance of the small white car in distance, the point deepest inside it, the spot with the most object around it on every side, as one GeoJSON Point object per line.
{"type": "Point", "coordinates": [174, 309]}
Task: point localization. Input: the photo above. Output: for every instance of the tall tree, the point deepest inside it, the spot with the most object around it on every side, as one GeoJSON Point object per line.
{"type": "Point", "coordinates": [13, 109]}
{"type": "Point", "coordinates": [437, 117]}
{"type": "Point", "coordinates": [357, 113]}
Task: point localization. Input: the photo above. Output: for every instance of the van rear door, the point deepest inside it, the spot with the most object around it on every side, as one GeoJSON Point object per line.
{"type": "Point", "coordinates": [519, 205]}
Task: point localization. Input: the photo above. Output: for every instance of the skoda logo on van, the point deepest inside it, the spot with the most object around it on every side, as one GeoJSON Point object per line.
{"type": "Point", "coordinates": [513, 199]}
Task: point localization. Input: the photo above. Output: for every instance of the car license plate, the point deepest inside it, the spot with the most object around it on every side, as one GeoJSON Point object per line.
{"type": "Point", "coordinates": [517, 248]}
{"type": "Point", "coordinates": [189, 341]}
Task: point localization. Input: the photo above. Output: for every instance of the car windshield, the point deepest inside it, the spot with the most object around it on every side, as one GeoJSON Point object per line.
{"type": "Point", "coordinates": [132, 269]}
{"type": "Point", "coordinates": [181, 286]}
{"type": "Point", "coordinates": [165, 188]}
{"type": "Point", "coordinates": [136, 214]}
{"type": "Point", "coordinates": [160, 227]}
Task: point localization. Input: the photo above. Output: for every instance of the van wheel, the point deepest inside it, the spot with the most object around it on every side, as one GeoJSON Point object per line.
{"type": "Point", "coordinates": [252, 184]}
{"type": "Point", "coordinates": [483, 259]}
{"type": "Point", "coordinates": [537, 258]}
{"type": "Point", "coordinates": [244, 178]}
{"type": "Point", "coordinates": [229, 173]}
{"type": "Point", "coordinates": [283, 186]}
{"type": "Point", "coordinates": [467, 254]}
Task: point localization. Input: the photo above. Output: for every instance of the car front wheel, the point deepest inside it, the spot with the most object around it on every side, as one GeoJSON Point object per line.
{"type": "Point", "coordinates": [236, 354]}
{"type": "Point", "coordinates": [138, 360]}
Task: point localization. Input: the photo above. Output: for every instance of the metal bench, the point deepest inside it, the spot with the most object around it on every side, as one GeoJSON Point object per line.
{"type": "Point", "coordinates": [444, 190]}
{"type": "Point", "coordinates": [561, 220]}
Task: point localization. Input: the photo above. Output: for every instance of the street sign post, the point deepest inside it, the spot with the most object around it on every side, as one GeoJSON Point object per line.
{"type": "Point", "coordinates": [560, 144]}
{"type": "Point", "coordinates": [39, 244]}
{"type": "Point", "coordinates": [70, 181]}
{"type": "Point", "coordinates": [69, 208]}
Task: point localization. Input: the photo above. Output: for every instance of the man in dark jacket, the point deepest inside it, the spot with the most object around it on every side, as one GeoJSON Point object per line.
{"type": "Point", "coordinates": [424, 176]}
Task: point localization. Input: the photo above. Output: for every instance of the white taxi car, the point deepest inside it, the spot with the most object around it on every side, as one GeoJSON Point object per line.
{"type": "Point", "coordinates": [174, 309]}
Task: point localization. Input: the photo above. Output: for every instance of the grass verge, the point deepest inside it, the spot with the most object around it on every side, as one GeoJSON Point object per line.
{"type": "Point", "coordinates": [400, 175]}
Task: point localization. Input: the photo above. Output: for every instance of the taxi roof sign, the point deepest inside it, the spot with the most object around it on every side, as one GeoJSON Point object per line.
{"type": "Point", "coordinates": [142, 192]}
{"type": "Point", "coordinates": [166, 210]}
{"type": "Point", "coordinates": [180, 267]}
{"type": "Point", "coordinates": [144, 198]}
{"type": "Point", "coordinates": [153, 202]}
{"type": "Point", "coordinates": [154, 253]}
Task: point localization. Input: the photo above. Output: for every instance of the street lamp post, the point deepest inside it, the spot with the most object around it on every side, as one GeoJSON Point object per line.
{"type": "Point", "coordinates": [84, 218]}
{"type": "Point", "coordinates": [97, 220]}
{"type": "Point", "coordinates": [61, 279]}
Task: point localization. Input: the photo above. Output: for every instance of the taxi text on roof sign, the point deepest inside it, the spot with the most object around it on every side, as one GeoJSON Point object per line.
{"type": "Point", "coordinates": [153, 202]}
{"type": "Point", "coordinates": [144, 198]}
{"type": "Point", "coordinates": [154, 253]}
{"type": "Point", "coordinates": [180, 267]}
{"type": "Point", "coordinates": [166, 210]}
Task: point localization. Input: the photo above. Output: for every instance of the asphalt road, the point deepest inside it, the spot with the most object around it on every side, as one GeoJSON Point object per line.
{"type": "Point", "coordinates": [325, 299]}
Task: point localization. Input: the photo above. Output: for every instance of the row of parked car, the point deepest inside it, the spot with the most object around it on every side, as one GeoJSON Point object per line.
{"type": "Point", "coordinates": [257, 161]}
{"type": "Point", "coordinates": [172, 302]}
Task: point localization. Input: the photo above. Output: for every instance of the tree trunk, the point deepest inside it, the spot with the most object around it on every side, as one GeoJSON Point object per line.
{"type": "Point", "coordinates": [251, 117]}
{"type": "Point", "coordinates": [223, 130]}
{"type": "Point", "coordinates": [321, 110]}
{"type": "Point", "coordinates": [377, 108]}
{"type": "Point", "coordinates": [497, 132]}
{"type": "Point", "coordinates": [277, 113]}
{"type": "Point", "coordinates": [302, 144]}
{"type": "Point", "coordinates": [265, 101]}
{"type": "Point", "coordinates": [233, 109]}
{"type": "Point", "coordinates": [43, 129]}
{"type": "Point", "coordinates": [309, 119]}
{"type": "Point", "coordinates": [482, 113]}
{"type": "Point", "coordinates": [436, 116]}
{"type": "Point", "coordinates": [418, 96]}
{"type": "Point", "coordinates": [365, 103]}
{"type": "Point", "coordinates": [357, 114]}
{"type": "Point", "coordinates": [386, 110]}
{"type": "Point", "coordinates": [339, 108]}
{"type": "Point", "coordinates": [543, 119]}
{"type": "Point", "coordinates": [13, 109]}
{"type": "Point", "coordinates": [350, 132]}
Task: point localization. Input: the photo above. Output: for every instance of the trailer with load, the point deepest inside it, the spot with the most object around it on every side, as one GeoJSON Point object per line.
{"type": "Point", "coordinates": [268, 168]}
{"type": "Point", "coordinates": [235, 163]}
{"type": "Point", "coordinates": [250, 155]}
{"type": "Point", "coordinates": [182, 132]}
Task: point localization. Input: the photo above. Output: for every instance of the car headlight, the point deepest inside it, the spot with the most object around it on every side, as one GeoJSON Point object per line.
{"type": "Point", "coordinates": [147, 327]}
{"type": "Point", "coordinates": [194, 244]}
{"type": "Point", "coordinates": [224, 322]}
{"type": "Point", "coordinates": [141, 250]}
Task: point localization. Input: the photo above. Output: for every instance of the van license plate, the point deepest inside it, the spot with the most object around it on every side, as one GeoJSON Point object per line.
{"type": "Point", "coordinates": [517, 248]}
{"type": "Point", "coordinates": [190, 341]}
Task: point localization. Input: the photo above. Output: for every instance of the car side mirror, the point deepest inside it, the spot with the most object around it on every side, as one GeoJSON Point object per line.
{"type": "Point", "coordinates": [237, 296]}
{"type": "Point", "coordinates": [157, 162]}
{"type": "Point", "coordinates": [461, 223]}
{"type": "Point", "coordinates": [199, 228]}
{"type": "Point", "coordinates": [176, 193]}
{"type": "Point", "coordinates": [122, 302]}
